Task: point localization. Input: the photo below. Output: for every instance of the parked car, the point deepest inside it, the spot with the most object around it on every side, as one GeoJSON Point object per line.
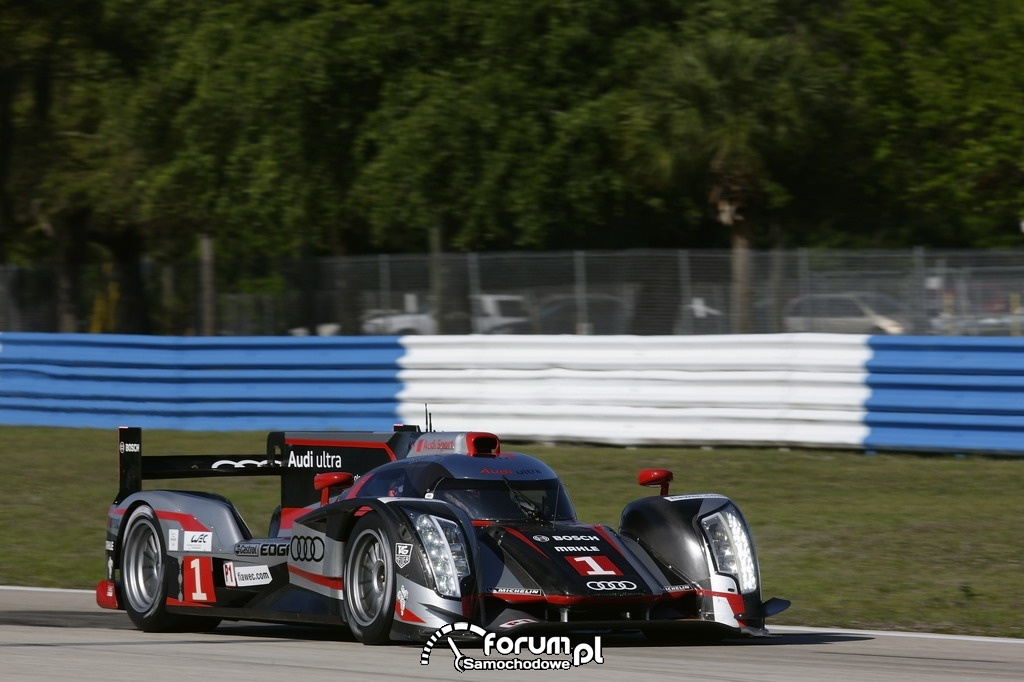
{"type": "Point", "coordinates": [848, 313]}
{"type": "Point", "coordinates": [592, 314]}
{"type": "Point", "coordinates": [568, 314]}
{"type": "Point", "coordinates": [488, 312]}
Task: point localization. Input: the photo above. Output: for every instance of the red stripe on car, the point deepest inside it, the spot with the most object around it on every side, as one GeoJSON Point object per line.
{"type": "Point", "coordinates": [326, 581]}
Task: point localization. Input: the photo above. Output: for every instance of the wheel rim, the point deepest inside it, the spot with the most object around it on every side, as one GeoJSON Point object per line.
{"type": "Point", "coordinates": [142, 567]}
{"type": "Point", "coordinates": [367, 587]}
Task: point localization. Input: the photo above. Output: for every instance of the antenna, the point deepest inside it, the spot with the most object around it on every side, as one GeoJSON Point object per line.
{"type": "Point", "coordinates": [427, 418]}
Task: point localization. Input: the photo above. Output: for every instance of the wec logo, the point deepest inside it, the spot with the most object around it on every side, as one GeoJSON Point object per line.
{"type": "Point", "coordinates": [572, 656]}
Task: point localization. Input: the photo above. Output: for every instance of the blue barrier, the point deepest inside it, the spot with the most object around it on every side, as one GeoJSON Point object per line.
{"type": "Point", "coordinates": [948, 394]}
{"type": "Point", "coordinates": [203, 384]}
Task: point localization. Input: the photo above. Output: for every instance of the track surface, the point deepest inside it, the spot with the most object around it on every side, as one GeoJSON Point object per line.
{"type": "Point", "coordinates": [62, 635]}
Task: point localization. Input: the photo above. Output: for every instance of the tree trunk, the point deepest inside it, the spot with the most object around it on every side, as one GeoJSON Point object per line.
{"type": "Point", "coordinates": [740, 233]}
{"type": "Point", "coordinates": [207, 292]}
{"type": "Point", "coordinates": [437, 293]}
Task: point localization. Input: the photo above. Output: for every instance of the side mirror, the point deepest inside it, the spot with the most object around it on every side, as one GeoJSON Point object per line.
{"type": "Point", "coordinates": [650, 478]}
{"type": "Point", "coordinates": [331, 479]}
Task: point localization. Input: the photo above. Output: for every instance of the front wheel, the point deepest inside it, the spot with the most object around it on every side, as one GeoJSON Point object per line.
{"type": "Point", "coordinates": [144, 577]}
{"type": "Point", "coordinates": [370, 582]}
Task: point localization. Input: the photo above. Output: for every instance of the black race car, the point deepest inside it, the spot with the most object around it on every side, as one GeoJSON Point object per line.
{"type": "Point", "coordinates": [396, 534]}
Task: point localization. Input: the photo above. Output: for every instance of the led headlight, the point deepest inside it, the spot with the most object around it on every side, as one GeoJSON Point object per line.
{"type": "Point", "coordinates": [446, 551]}
{"type": "Point", "coordinates": [731, 547]}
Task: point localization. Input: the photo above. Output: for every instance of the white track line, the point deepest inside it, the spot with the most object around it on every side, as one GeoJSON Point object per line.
{"type": "Point", "coordinates": [19, 588]}
{"type": "Point", "coordinates": [882, 633]}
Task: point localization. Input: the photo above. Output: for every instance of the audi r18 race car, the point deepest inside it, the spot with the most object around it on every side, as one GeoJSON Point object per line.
{"type": "Point", "coordinates": [397, 534]}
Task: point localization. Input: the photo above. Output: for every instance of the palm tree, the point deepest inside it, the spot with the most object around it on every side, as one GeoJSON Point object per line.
{"type": "Point", "coordinates": [712, 110]}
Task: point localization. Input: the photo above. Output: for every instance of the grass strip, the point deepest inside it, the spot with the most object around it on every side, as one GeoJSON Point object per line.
{"type": "Point", "coordinates": [899, 542]}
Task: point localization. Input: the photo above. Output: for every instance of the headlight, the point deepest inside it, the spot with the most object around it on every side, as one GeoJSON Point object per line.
{"type": "Point", "coordinates": [731, 547]}
{"type": "Point", "coordinates": [446, 551]}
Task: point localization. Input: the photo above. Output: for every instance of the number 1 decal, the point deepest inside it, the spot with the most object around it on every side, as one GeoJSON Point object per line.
{"type": "Point", "coordinates": [593, 565]}
{"type": "Point", "coordinates": [198, 579]}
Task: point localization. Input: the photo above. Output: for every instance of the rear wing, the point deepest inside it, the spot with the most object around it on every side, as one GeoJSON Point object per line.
{"type": "Point", "coordinates": [294, 456]}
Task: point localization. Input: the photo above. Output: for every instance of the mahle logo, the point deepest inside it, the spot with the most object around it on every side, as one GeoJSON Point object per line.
{"type": "Point", "coordinates": [546, 648]}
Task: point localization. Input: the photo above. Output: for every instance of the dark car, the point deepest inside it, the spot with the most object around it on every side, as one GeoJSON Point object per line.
{"type": "Point", "coordinates": [438, 529]}
{"type": "Point", "coordinates": [590, 314]}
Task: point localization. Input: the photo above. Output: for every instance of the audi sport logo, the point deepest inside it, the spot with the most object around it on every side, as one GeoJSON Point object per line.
{"type": "Point", "coordinates": [611, 585]}
{"type": "Point", "coordinates": [305, 548]}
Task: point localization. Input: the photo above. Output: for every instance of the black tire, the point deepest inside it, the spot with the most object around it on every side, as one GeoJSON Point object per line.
{"type": "Point", "coordinates": [370, 582]}
{"type": "Point", "coordinates": [144, 577]}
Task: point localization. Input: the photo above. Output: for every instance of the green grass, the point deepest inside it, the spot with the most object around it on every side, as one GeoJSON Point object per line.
{"type": "Point", "coordinates": [887, 541]}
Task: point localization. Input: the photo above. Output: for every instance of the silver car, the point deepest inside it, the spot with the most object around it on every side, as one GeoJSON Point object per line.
{"type": "Point", "coordinates": [848, 313]}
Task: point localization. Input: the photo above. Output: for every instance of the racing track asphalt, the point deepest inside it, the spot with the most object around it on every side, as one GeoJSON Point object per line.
{"type": "Point", "coordinates": [63, 635]}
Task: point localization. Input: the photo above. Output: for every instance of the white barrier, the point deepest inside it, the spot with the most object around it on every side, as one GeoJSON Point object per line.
{"type": "Point", "coordinates": [780, 389]}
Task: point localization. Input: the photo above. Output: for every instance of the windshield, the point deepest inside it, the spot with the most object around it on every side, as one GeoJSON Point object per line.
{"type": "Point", "coordinates": [505, 500]}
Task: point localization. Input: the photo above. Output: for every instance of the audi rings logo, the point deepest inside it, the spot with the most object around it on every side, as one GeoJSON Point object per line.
{"type": "Point", "coordinates": [611, 585]}
{"type": "Point", "coordinates": [307, 549]}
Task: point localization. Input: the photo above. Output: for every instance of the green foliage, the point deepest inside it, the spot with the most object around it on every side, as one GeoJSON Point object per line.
{"type": "Point", "coordinates": [935, 89]}
{"type": "Point", "coordinates": [306, 127]}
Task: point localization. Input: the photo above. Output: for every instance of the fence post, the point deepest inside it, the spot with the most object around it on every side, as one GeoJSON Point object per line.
{"type": "Point", "coordinates": [685, 294]}
{"type": "Point", "coordinates": [580, 273]}
{"type": "Point", "coordinates": [804, 268]}
{"type": "Point", "coordinates": [917, 289]}
{"type": "Point", "coordinates": [384, 285]}
{"type": "Point", "coordinates": [473, 264]}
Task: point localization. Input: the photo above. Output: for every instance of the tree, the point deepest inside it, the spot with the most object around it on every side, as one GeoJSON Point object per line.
{"type": "Point", "coordinates": [715, 105]}
{"type": "Point", "coordinates": [935, 88]}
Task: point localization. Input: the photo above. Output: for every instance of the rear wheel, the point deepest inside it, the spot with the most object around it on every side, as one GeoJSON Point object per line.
{"type": "Point", "coordinates": [370, 582]}
{"type": "Point", "coordinates": [144, 577]}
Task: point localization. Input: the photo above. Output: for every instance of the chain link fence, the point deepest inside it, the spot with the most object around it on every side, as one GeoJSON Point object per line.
{"type": "Point", "coordinates": [644, 292]}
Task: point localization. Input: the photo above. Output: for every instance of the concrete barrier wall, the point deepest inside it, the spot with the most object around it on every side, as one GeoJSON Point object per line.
{"type": "Point", "coordinates": [883, 393]}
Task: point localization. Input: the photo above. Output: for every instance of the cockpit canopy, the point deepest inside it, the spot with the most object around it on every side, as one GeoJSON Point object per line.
{"type": "Point", "coordinates": [505, 500]}
{"type": "Point", "coordinates": [511, 487]}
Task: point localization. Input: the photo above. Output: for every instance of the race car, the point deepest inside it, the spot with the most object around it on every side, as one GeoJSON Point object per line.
{"type": "Point", "coordinates": [398, 534]}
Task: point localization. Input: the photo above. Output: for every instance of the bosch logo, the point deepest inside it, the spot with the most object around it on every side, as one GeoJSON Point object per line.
{"type": "Point", "coordinates": [128, 447]}
{"type": "Point", "coordinates": [541, 538]}
{"type": "Point", "coordinates": [307, 549]}
{"type": "Point", "coordinates": [611, 585]}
